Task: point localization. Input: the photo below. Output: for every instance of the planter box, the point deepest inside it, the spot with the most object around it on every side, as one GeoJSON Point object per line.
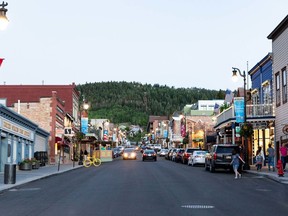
{"type": "Point", "coordinates": [36, 165]}
{"type": "Point", "coordinates": [25, 166]}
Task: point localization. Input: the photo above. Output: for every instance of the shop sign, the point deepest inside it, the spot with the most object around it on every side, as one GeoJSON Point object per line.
{"type": "Point", "coordinates": [285, 129]}
{"type": "Point", "coordinates": [259, 125]}
{"type": "Point", "coordinates": [17, 130]}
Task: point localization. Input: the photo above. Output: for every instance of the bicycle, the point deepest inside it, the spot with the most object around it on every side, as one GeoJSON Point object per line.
{"type": "Point", "coordinates": [92, 160]}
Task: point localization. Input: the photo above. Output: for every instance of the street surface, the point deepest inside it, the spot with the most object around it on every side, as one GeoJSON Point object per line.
{"type": "Point", "coordinates": [135, 188]}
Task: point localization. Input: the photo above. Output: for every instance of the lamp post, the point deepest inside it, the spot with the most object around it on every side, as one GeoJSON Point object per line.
{"type": "Point", "coordinates": [3, 18]}
{"type": "Point", "coordinates": [246, 152]}
{"type": "Point", "coordinates": [83, 128]}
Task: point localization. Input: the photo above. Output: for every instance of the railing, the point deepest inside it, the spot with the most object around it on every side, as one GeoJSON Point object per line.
{"type": "Point", "coordinates": [225, 115]}
{"type": "Point", "coordinates": [259, 110]}
{"type": "Point", "coordinates": [252, 111]}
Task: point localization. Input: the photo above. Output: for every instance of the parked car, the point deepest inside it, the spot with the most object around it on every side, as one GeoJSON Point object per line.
{"type": "Point", "coordinates": [129, 153]}
{"type": "Point", "coordinates": [168, 153]}
{"type": "Point", "coordinates": [220, 156]}
{"type": "Point", "coordinates": [157, 147]}
{"type": "Point", "coordinates": [173, 154]}
{"type": "Point", "coordinates": [187, 153]}
{"type": "Point", "coordinates": [197, 157]}
{"type": "Point", "coordinates": [162, 152]}
{"type": "Point", "coordinates": [149, 154]}
{"type": "Point", "coordinates": [178, 156]}
{"type": "Point", "coordinates": [116, 152]}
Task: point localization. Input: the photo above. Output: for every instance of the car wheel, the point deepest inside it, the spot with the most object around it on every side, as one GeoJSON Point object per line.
{"type": "Point", "coordinates": [212, 168]}
{"type": "Point", "coordinates": [206, 167]}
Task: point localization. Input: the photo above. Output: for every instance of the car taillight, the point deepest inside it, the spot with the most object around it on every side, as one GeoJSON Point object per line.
{"type": "Point", "coordinates": [215, 156]}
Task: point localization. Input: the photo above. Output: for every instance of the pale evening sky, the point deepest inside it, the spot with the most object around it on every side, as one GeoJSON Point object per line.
{"type": "Point", "coordinates": [180, 43]}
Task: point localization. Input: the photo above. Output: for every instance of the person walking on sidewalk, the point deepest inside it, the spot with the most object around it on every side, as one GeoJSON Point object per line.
{"type": "Point", "coordinates": [259, 160]}
{"type": "Point", "coordinates": [271, 155]}
{"type": "Point", "coordinates": [236, 162]}
{"type": "Point", "coordinates": [283, 154]}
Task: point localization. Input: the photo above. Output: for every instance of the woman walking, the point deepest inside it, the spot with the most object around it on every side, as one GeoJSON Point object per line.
{"type": "Point", "coordinates": [235, 163]}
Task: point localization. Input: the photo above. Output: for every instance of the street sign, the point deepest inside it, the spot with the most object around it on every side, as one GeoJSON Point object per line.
{"type": "Point", "coordinates": [67, 131]}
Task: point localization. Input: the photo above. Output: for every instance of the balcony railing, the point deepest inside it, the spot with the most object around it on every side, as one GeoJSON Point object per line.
{"type": "Point", "coordinates": [252, 111]}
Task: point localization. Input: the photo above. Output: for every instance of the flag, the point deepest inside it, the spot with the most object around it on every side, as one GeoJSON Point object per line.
{"type": "Point", "coordinates": [216, 108]}
{"type": "Point", "coordinates": [229, 96]}
{"type": "Point", "coordinates": [1, 60]}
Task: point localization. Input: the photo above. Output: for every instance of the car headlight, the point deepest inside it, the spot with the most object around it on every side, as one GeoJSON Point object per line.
{"type": "Point", "coordinates": [125, 155]}
{"type": "Point", "coordinates": [133, 154]}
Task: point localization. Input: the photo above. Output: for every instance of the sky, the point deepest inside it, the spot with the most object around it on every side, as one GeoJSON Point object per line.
{"type": "Point", "coordinates": [180, 43]}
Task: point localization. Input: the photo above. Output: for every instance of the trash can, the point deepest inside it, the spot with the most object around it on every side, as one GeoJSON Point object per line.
{"type": "Point", "coordinates": [10, 174]}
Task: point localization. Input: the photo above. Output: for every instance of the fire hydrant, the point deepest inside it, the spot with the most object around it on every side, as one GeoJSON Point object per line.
{"type": "Point", "coordinates": [279, 166]}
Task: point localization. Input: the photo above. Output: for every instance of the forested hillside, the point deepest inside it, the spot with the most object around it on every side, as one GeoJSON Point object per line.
{"type": "Point", "coordinates": [134, 102]}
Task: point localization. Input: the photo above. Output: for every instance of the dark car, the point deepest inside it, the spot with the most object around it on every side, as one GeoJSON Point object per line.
{"type": "Point", "coordinates": [220, 156]}
{"type": "Point", "coordinates": [178, 156]}
{"type": "Point", "coordinates": [149, 154]}
{"type": "Point", "coordinates": [187, 153]}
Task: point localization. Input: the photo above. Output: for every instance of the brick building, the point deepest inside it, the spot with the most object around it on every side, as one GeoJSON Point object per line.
{"type": "Point", "coordinates": [47, 105]}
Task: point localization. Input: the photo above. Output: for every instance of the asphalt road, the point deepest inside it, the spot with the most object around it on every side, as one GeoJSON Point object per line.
{"type": "Point", "coordinates": [129, 187]}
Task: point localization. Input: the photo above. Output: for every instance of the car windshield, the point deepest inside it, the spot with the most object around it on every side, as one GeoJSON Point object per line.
{"type": "Point", "coordinates": [129, 150]}
{"type": "Point", "coordinates": [200, 152]}
{"type": "Point", "coordinates": [149, 152]}
{"type": "Point", "coordinates": [190, 150]}
{"type": "Point", "coordinates": [225, 149]}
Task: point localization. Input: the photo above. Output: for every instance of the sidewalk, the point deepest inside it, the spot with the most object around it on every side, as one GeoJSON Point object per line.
{"type": "Point", "coordinates": [268, 174]}
{"type": "Point", "coordinates": [23, 177]}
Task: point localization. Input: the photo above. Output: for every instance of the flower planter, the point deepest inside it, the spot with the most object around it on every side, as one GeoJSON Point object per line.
{"type": "Point", "coordinates": [25, 166]}
{"type": "Point", "coordinates": [35, 165]}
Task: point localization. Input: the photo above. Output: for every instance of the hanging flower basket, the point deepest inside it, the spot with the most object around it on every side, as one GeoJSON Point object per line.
{"type": "Point", "coordinates": [246, 130]}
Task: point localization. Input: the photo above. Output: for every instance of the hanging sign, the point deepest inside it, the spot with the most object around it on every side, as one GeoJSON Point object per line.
{"type": "Point", "coordinates": [239, 109]}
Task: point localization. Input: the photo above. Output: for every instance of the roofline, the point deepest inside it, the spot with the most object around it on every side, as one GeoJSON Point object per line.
{"type": "Point", "coordinates": [261, 63]}
{"type": "Point", "coordinates": [279, 29]}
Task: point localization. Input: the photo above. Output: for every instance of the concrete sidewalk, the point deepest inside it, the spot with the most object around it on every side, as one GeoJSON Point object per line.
{"type": "Point", "coordinates": [23, 177]}
{"type": "Point", "coordinates": [268, 174]}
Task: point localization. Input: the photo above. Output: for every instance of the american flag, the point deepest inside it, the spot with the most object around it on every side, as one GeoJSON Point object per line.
{"type": "Point", "coordinates": [229, 96]}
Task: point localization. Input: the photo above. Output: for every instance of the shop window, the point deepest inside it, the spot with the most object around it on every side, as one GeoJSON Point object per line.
{"type": "Point", "coordinates": [284, 85]}
{"type": "Point", "coordinates": [277, 88]}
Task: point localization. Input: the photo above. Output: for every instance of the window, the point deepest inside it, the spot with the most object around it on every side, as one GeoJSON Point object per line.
{"type": "Point", "coordinates": [277, 88]}
{"type": "Point", "coordinates": [284, 85]}
{"type": "Point", "coordinates": [267, 94]}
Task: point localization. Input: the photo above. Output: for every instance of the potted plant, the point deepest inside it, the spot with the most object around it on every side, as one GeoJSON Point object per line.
{"type": "Point", "coordinates": [26, 164]}
{"type": "Point", "coordinates": [35, 163]}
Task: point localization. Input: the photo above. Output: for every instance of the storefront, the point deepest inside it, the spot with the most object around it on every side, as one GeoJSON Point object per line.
{"type": "Point", "coordinates": [18, 137]}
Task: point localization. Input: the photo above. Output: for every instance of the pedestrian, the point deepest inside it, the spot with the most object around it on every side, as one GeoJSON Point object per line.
{"type": "Point", "coordinates": [283, 154]}
{"type": "Point", "coordinates": [236, 162]}
{"type": "Point", "coordinates": [259, 160]}
{"type": "Point", "coordinates": [271, 155]}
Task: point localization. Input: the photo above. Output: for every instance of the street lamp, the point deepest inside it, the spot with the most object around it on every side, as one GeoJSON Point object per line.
{"type": "Point", "coordinates": [3, 19]}
{"type": "Point", "coordinates": [246, 152]}
{"type": "Point", "coordinates": [83, 129]}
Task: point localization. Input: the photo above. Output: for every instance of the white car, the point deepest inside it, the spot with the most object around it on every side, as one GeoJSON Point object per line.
{"type": "Point", "coordinates": [197, 157]}
{"type": "Point", "coordinates": [162, 152]}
